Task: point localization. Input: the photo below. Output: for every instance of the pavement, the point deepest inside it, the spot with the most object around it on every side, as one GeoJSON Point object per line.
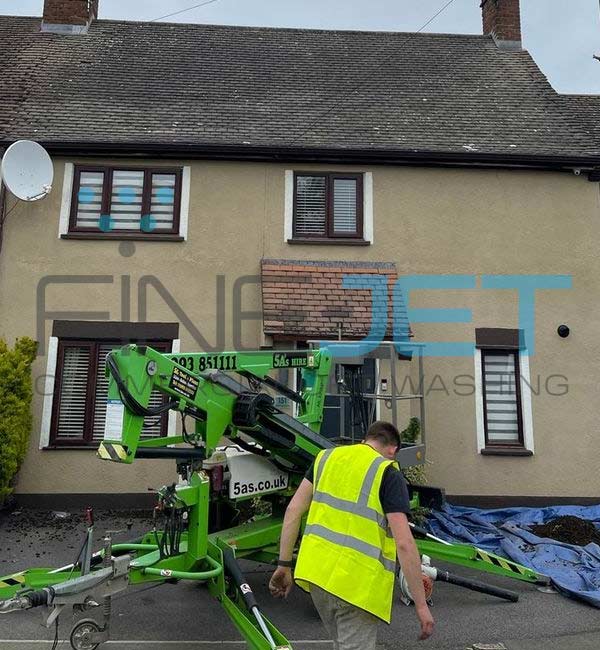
{"type": "Point", "coordinates": [184, 617]}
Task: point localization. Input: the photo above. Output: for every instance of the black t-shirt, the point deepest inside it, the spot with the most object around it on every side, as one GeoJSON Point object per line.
{"type": "Point", "coordinates": [393, 492]}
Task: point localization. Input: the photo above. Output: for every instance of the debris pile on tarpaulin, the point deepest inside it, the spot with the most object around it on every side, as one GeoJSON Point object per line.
{"type": "Point", "coordinates": [573, 569]}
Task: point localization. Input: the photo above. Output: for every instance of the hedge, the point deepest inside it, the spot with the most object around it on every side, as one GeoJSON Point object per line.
{"type": "Point", "coordinates": [15, 409]}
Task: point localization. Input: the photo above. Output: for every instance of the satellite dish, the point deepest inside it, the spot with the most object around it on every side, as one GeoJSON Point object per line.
{"type": "Point", "coordinates": [27, 170]}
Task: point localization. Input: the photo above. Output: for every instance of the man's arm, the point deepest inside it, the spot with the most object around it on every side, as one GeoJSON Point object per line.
{"type": "Point", "coordinates": [281, 581]}
{"type": "Point", "coordinates": [410, 562]}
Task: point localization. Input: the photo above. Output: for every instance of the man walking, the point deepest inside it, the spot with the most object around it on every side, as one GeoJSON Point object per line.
{"type": "Point", "coordinates": [357, 502]}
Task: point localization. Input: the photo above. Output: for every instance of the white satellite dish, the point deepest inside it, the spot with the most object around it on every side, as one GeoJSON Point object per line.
{"type": "Point", "coordinates": [26, 170]}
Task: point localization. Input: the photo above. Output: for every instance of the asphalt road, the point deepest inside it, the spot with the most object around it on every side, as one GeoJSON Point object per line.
{"type": "Point", "coordinates": [183, 616]}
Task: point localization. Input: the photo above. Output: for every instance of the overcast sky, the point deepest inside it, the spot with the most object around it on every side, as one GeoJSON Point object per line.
{"type": "Point", "coordinates": [562, 35]}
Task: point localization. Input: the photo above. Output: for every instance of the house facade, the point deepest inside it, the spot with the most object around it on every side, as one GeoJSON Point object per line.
{"type": "Point", "coordinates": [216, 186]}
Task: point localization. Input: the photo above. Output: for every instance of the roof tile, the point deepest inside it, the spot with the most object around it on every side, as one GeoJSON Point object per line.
{"type": "Point", "coordinates": [313, 309]}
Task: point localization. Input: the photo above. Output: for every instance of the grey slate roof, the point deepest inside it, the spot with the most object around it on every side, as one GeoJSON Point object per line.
{"type": "Point", "coordinates": [169, 84]}
{"type": "Point", "coordinates": [587, 113]}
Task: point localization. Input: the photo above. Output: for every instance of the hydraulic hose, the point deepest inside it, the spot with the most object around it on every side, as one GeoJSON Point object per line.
{"type": "Point", "coordinates": [187, 575]}
{"type": "Point", "coordinates": [234, 570]}
{"type": "Point", "coordinates": [128, 399]}
{"type": "Point", "coordinates": [475, 585]}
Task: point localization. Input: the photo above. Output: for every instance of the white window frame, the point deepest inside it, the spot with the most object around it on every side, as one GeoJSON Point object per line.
{"type": "Point", "coordinates": [48, 402]}
{"type": "Point", "coordinates": [526, 406]}
{"type": "Point", "coordinates": [288, 226]}
{"type": "Point", "coordinates": [51, 359]}
{"type": "Point", "coordinates": [67, 192]}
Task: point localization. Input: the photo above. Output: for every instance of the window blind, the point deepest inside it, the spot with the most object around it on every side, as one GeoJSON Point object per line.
{"type": "Point", "coordinates": [344, 205]}
{"type": "Point", "coordinates": [162, 200]}
{"type": "Point", "coordinates": [89, 199]}
{"type": "Point", "coordinates": [311, 205]}
{"type": "Point", "coordinates": [73, 392]}
{"type": "Point", "coordinates": [126, 199]}
{"type": "Point", "coordinates": [501, 398]}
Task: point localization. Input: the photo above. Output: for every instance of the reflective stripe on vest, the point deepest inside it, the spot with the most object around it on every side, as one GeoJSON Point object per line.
{"type": "Point", "coordinates": [351, 542]}
{"type": "Point", "coordinates": [321, 464]}
{"type": "Point", "coordinates": [353, 508]}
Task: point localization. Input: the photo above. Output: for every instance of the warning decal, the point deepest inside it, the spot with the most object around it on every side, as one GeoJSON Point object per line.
{"type": "Point", "coordinates": [184, 383]}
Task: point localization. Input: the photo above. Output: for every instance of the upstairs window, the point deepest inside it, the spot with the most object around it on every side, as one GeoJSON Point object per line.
{"type": "Point", "coordinates": [117, 201]}
{"type": "Point", "coordinates": [328, 206]}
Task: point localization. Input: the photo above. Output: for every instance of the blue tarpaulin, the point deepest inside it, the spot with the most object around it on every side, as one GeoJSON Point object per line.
{"type": "Point", "coordinates": [573, 569]}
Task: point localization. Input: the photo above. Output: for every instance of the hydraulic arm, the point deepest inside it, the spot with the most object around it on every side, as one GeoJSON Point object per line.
{"type": "Point", "coordinates": [221, 393]}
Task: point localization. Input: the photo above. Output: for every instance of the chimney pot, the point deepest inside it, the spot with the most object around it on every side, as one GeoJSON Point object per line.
{"type": "Point", "coordinates": [68, 16]}
{"type": "Point", "coordinates": [502, 20]}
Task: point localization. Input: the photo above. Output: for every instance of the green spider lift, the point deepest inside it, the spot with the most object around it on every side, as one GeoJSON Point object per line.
{"type": "Point", "coordinates": [199, 538]}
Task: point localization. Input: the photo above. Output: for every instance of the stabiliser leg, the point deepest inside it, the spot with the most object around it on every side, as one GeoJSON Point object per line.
{"type": "Point", "coordinates": [237, 599]}
{"type": "Point", "coordinates": [474, 558]}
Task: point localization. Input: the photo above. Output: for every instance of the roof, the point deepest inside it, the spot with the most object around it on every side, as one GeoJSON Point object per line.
{"type": "Point", "coordinates": [188, 85]}
{"type": "Point", "coordinates": [587, 111]}
{"type": "Point", "coordinates": [308, 299]}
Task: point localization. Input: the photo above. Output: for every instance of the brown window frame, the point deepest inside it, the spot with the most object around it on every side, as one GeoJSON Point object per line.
{"type": "Point", "coordinates": [86, 441]}
{"type": "Point", "coordinates": [330, 234]}
{"type": "Point", "coordinates": [108, 171]}
{"type": "Point", "coordinates": [520, 443]}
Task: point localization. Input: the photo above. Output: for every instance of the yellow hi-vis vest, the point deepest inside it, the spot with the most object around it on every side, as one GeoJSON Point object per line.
{"type": "Point", "coordinates": [347, 548]}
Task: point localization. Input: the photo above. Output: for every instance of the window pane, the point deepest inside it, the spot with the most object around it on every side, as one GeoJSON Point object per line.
{"type": "Point", "coordinates": [310, 209]}
{"type": "Point", "coordinates": [344, 205]}
{"type": "Point", "coordinates": [152, 426]}
{"type": "Point", "coordinates": [73, 392]}
{"type": "Point", "coordinates": [126, 199]}
{"type": "Point", "coordinates": [162, 203]}
{"type": "Point", "coordinates": [501, 398]}
{"type": "Point", "coordinates": [89, 199]}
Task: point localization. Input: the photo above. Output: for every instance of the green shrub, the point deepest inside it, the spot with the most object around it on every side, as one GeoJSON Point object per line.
{"type": "Point", "coordinates": [15, 408]}
{"type": "Point", "coordinates": [416, 473]}
{"type": "Point", "coordinates": [412, 431]}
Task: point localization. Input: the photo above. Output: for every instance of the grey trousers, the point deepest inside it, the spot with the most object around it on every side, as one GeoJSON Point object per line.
{"type": "Point", "coordinates": [350, 627]}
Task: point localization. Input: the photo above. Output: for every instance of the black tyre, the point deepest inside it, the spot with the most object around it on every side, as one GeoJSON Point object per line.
{"type": "Point", "coordinates": [81, 632]}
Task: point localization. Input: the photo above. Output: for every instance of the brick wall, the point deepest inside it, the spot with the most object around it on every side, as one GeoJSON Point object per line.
{"type": "Point", "coordinates": [70, 12]}
{"type": "Point", "coordinates": [502, 18]}
{"type": "Point", "coordinates": [304, 300]}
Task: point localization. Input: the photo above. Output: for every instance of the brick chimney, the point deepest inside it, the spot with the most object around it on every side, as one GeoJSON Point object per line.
{"type": "Point", "coordinates": [502, 19]}
{"type": "Point", "coordinates": [68, 16]}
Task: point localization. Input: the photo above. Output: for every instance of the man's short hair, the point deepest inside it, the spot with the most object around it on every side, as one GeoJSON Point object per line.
{"type": "Point", "coordinates": [384, 432]}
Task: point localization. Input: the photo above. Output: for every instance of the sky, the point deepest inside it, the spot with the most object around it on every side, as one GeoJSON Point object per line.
{"type": "Point", "coordinates": [561, 35]}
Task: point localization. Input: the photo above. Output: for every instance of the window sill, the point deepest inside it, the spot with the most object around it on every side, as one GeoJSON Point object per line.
{"type": "Point", "coordinates": [329, 242]}
{"type": "Point", "coordinates": [71, 447]}
{"type": "Point", "coordinates": [129, 236]}
{"type": "Point", "coordinates": [505, 451]}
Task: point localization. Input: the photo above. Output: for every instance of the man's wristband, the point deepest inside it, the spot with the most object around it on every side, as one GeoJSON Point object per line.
{"type": "Point", "coordinates": [285, 563]}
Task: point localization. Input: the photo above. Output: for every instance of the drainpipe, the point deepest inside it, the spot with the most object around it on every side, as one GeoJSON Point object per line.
{"type": "Point", "coordinates": [2, 211]}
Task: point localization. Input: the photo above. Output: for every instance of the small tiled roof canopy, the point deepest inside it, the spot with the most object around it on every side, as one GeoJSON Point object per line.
{"type": "Point", "coordinates": [307, 299]}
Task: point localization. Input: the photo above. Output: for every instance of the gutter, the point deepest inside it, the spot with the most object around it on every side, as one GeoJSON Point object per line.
{"type": "Point", "coordinates": [325, 155]}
